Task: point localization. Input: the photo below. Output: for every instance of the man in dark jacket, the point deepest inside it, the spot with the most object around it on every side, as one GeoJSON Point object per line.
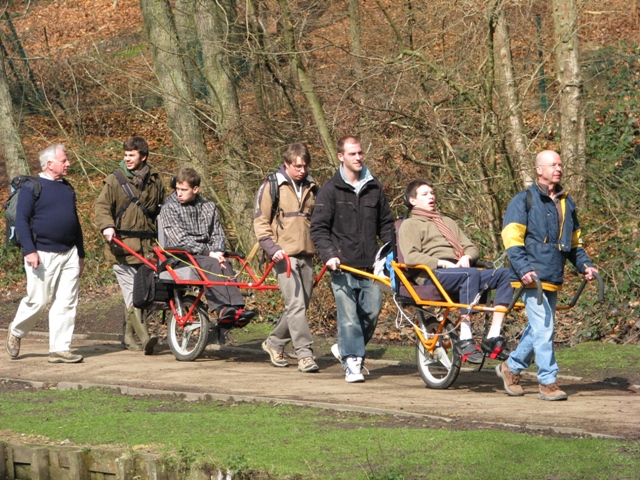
{"type": "Point", "coordinates": [351, 213]}
{"type": "Point", "coordinates": [51, 237]}
{"type": "Point", "coordinates": [540, 232]}
{"type": "Point", "coordinates": [134, 222]}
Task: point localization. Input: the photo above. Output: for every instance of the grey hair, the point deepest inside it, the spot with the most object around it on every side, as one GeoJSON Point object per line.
{"type": "Point", "coordinates": [49, 154]}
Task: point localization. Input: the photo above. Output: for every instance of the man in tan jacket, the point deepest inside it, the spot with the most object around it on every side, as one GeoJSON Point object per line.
{"type": "Point", "coordinates": [284, 231]}
{"type": "Point", "coordinates": [127, 208]}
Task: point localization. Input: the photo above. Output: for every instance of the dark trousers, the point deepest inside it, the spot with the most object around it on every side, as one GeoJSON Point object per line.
{"type": "Point", "coordinates": [467, 282]}
{"type": "Point", "coordinates": [219, 296]}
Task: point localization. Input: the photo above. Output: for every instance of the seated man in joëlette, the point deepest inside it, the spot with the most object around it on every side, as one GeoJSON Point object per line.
{"type": "Point", "coordinates": [190, 222]}
{"type": "Point", "coordinates": [427, 238]}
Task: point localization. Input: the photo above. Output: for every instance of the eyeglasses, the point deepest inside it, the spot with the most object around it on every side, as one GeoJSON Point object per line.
{"type": "Point", "coordinates": [298, 167]}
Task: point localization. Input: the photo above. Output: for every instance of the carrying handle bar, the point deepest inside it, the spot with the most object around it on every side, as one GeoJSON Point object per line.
{"type": "Point", "coordinates": [521, 288]}
{"type": "Point", "coordinates": [584, 284]}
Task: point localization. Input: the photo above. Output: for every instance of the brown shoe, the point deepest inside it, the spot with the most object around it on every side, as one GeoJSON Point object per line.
{"type": "Point", "coordinates": [276, 356]}
{"type": "Point", "coordinates": [64, 357]}
{"type": "Point", "coordinates": [307, 364]}
{"type": "Point", "coordinates": [12, 344]}
{"type": "Point", "coordinates": [551, 392]}
{"type": "Point", "coordinates": [511, 382]}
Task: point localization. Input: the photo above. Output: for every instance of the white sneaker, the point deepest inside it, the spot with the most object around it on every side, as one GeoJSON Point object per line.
{"type": "Point", "coordinates": [353, 373]}
{"type": "Point", "coordinates": [336, 351]}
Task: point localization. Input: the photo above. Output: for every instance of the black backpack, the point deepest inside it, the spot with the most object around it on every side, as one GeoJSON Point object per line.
{"type": "Point", "coordinates": [275, 193]}
{"type": "Point", "coordinates": [11, 205]}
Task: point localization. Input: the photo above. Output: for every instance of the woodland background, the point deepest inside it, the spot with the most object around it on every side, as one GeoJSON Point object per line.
{"type": "Point", "coordinates": [464, 92]}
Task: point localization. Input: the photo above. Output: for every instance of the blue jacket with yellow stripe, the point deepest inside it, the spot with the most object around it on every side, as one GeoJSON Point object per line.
{"type": "Point", "coordinates": [543, 238]}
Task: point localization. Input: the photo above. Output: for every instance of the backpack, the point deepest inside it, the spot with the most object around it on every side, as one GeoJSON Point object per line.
{"type": "Point", "coordinates": [11, 205]}
{"type": "Point", "coordinates": [274, 189]}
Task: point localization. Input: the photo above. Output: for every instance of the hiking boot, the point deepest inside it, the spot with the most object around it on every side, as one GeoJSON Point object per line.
{"type": "Point", "coordinates": [470, 351]}
{"type": "Point", "coordinates": [496, 348]}
{"type": "Point", "coordinates": [551, 392]}
{"type": "Point", "coordinates": [336, 351]}
{"type": "Point", "coordinates": [511, 382]}
{"type": "Point", "coordinates": [277, 357]}
{"type": "Point", "coordinates": [353, 372]}
{"type": "Point", "coordinates": [307, 364]}
{"type": "Point", "coordinates": [64, 357]}
{"type": "Point", "coordinates": [12, 344]}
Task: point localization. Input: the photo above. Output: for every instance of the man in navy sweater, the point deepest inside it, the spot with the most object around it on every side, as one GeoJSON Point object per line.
{"type": "Point", "coordinates": [51, 237]}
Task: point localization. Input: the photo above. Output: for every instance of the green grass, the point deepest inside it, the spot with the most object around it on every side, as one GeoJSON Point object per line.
{"type": "Point", "coordinates": [602, 360]}
{"type": "Point", "coordinates": [293, 442]}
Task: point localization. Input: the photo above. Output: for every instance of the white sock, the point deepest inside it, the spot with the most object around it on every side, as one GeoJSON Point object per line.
{"type": "Point", "coordinates": [494, 331]}
{"type": "Point", "coordinates": [465, 331]}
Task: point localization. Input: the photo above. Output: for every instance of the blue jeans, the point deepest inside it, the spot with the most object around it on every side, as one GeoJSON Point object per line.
{"type": "Point", "coordinates": [358, 303]}
{"type": "Point", "coordinates": [537, 338]}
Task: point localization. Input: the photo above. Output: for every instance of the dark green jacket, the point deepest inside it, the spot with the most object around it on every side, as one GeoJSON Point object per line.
{"type": "Point", "coordinates": [110, 202]}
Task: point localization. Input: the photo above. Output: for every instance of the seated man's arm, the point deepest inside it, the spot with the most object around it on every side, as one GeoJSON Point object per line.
{"type": "Point", "coordinates": [471, 253]}
{"type": "Point", "coordinates": [217, 239]}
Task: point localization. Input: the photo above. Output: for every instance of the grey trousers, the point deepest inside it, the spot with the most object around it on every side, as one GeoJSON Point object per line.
{"type": "Point", "coordinates": [124, 275]}
{"type": "Point", "coordinates": [296, 290]}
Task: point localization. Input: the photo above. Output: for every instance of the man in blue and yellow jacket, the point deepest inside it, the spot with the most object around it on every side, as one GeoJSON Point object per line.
{"type": "Point", "coordinates": [540, 232]}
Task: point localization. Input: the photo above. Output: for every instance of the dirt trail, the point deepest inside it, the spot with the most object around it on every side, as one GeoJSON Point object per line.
{"type": "Point", "coordinates": [476, 397]}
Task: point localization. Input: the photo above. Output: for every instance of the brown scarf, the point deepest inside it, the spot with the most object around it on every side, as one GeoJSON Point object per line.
{"type": "Point", "coordinates": [444, 230]}
{"type": "Point", "coordinates": [140, 175]}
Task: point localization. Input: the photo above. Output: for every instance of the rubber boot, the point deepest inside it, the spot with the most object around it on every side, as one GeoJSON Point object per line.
{"type": "Point", "coordinates": [128, 339]}
{"type": "Point", "coordinates": [148, 341]}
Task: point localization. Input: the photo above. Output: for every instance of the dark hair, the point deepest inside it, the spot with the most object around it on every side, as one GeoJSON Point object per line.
{"type": "Point", "coordinates": [296, 150]}
{"type": "Point", "coordinates": [346, 139]}
{"type": "Point", "coordinates": [136, 143]}
{"type": "Point", "coordinates": [411, 191]}
{"type": "Point", "coordinates": [188, 175]}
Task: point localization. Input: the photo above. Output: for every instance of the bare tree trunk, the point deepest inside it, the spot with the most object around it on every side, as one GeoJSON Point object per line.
{"type": "Point", "coordinates": [307, 87]}
{"type": "Point", "coordinates": [572, 130]}
{"type": "Point", "coordinates": [183, 12]}
{"type": "Point", "coordinates": [266, 73]}
{"type": "Point", "coordinates": [14, 158]}
{"type": "Point", "coordinates": [177, 95]}
{"type": "Point", "coordinates": [215, 21]}
{"type": "Point", "coordinates": [516, 140]}
{"type": "Point", "coordinates": [355, 35]}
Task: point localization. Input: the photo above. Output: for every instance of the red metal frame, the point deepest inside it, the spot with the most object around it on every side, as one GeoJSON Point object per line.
{"type": "Point", "coordinates": [204, 282]}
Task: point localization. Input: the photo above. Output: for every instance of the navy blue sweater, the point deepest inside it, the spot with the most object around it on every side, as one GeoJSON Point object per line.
{"type": "Point", "coordinates": [52, 218]}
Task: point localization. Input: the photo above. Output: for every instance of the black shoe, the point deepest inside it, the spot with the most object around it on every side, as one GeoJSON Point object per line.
{"type": "Point", "coordinates": [495, 348]}
{"type": "Point", "coordinates": [243, 317]}
{"type": "Point", "coordinates": [226, 317]}
{"type": "Point", "coordinates": [470, 351]}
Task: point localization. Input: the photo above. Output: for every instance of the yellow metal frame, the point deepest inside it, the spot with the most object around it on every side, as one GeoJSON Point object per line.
{"type": "Point", "coordinates": [447, 304]}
